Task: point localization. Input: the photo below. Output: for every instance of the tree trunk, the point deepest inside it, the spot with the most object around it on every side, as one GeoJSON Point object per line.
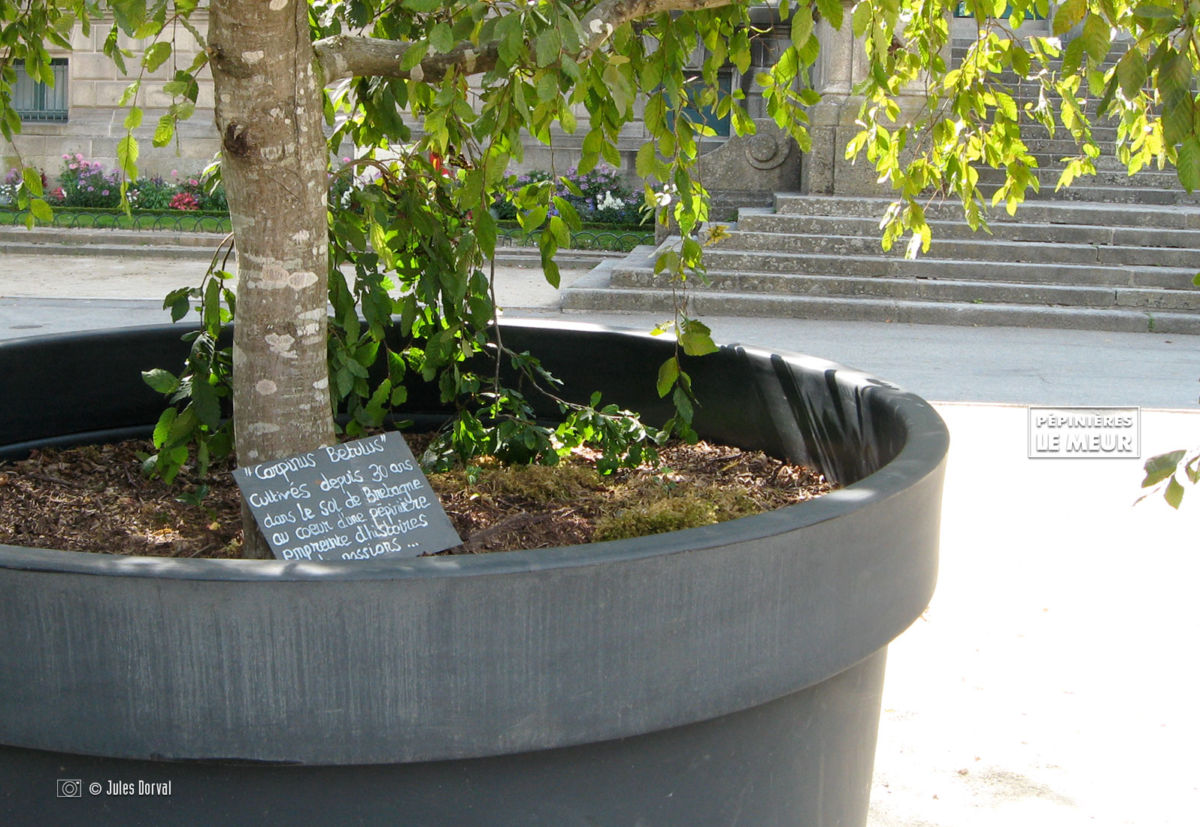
{"type": "Point", "coordinates": [274, 164]}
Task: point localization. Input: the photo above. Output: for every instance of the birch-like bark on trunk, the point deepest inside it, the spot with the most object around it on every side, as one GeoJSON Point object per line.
{"type": "Point", "coordinates": [274, 163]}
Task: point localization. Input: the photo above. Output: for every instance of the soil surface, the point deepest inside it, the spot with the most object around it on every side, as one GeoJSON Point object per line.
{"type": "Point", "coordinates": [96, 499]}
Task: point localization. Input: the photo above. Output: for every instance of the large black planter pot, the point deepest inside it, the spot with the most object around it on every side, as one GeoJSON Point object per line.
{"type": "Point", "coordinates": [723, 675]}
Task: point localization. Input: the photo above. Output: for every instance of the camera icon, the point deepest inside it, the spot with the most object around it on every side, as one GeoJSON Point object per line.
{"type": "Point", "coordinates": [70, 788]}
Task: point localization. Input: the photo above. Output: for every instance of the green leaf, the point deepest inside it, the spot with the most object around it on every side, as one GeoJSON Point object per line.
{"type": "Point", "coordinates": [134, 118]}
{"type": "Point", "coordinates": [567, 120]}
{"type": "Point", "coordinates": [508, 35]}
{"type": "Point", "coordinates": [164, 132]}
{"type": "Point", "coordinates": [558, 228]}
{"type": "Point", "coordinates": [32, 179]}
{"type": "Point", "coordinates": [1187, 163]}
{"type": "Point", "coordinates": [1072, 57]}
{"type": "Point", "coordinates": [422, 5]}
{"type": "Point", "coordinates": [156, 55]}
{"type": "Point", "coordinates": [161, 380]}
{"type": "Point", "coordinates": [1068, 14]}
{"type": "Point", "coordinates": [1174, 493]}
{"type": "Point", "coordinates": [206, 404]}
{"type": "Point", "coordinates": [802, 26]}
{"type": "Point", "coordinates": [212, 306]}
{"type": "Point", "coordinates": [861, 18]}
{"type": "Point", "coordinates": [441, 38]}
{"type": "Point", "coordinates": [413, 55]}
{"type": "Point", "coordinates": [379, 243]}
{"type": "Point", "coordinates": [41, 210]}
{"type": "Point", "coordinates": [683, 405]}
{"type": "Point", "coordinates": [180, 308]}
{"type": "Point", "coordinates": [569, 215]}
{"type": "Point", "coordinates": [697, 339]}
{"type": "Point", "coordinates": [375, 407]}
{"type": "Point", "coordinates": [163, 427]}
{"type": "Point", "coordinates": [831, 10]}
{"type": "Point", "coordinates": [1131, 72]}
{"type": "Point", "coordinates": [485, 232]}
{"type": "Point", "coordinates": [646, 165]}
{"type": "Point", "coordinates": [183, 426]}
{"type": "Point", "coordinates": [1097, 36]}
{"type": "Point", "coordinates": [127, 155]}
{"type": "Point", "coordinates": [668, 372]}
{"type": "Point", "coordinates": [533, 219]}
{"type": "Point", "coordinates": [1160, 467]}
{"type": "Point", "coordinates": [130, 93]}
{"type": "Point", "coordinates": [551, 273]}
{"type": "Point", "coordinates": [547, 47]}
{"type": "Point", "coordinates": [1020, 59]}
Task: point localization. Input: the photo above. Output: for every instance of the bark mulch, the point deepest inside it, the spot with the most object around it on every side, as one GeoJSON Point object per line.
{"type": "Point", "coordinates": [96, 499]}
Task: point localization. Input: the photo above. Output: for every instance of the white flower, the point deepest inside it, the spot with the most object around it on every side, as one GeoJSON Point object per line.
{"type": "Point", "coordinates": [610, 202]}
{"type": "Point", "coordinates": [662, 199]}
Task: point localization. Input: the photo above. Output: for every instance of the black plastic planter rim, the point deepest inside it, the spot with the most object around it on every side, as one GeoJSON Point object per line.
{"type": "Point", "coordinates": [925, 446]}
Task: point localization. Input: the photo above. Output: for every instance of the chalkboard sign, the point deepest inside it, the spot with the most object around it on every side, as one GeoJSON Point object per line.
{"type": "Point", "coordinates": [354, 501]}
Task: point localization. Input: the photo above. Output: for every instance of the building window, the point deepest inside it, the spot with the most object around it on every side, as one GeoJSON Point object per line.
{"type": "Point", "coordinates": [707, 115]}
{"type": "Point", "coordinates": [38, 102]}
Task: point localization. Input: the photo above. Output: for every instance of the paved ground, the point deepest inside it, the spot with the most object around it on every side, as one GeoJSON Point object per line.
{"type": "Point", "coordinates": [1013, 365]}
{"type": "Point", "coordinates": [1051, 680]}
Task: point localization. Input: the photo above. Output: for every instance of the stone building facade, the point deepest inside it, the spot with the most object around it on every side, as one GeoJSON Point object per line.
{"type": "Point", "coordinates": [81, 113]}
{"type": "Point", "coordinates": [84, 116]}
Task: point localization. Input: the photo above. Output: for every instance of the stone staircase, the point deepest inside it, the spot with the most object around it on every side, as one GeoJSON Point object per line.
{"type": "Point", "coordinates": [1112, 252]}
{"type": "Point", "coordinates": [17, 240]}
{"type": "Point", "coordinates": [1056, 264]}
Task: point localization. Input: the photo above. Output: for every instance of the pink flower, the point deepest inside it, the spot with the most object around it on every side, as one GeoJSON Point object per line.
{"type": "Point", "coordinates": [184, 201]}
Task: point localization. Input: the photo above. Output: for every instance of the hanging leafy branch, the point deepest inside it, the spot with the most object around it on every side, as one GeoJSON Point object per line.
{"type": "Point", "coordinates": [438, 98]}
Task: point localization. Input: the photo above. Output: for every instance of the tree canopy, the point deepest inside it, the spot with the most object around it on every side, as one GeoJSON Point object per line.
{"type": "Point", "coordinates": [430, 102]}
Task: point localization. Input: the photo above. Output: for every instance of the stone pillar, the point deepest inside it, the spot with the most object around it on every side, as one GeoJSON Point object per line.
{"type": "Point", "coordinates": [834, 77]}
{"type": "Point", "coordinates": [841, 66]}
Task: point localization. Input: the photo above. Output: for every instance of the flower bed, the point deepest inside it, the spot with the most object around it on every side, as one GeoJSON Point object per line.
{"type": "Point", "coordinates": [87, 184]}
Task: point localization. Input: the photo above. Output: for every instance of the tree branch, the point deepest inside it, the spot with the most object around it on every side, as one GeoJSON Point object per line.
{"type": "Point", "coordinates": [343, 56]}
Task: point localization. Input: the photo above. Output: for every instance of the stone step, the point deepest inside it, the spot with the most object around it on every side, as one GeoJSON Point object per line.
{"type": "Point", "coordinates": [62, 242]}
{"type": "Point", "coordinates": [167, 251]}
{"type": "Point", "coordinates": [770, 222]}
{"type": "Point", "coordinates": [1132, 195]}
{"type": "Point", "coordinates": [1053, 150]}
{"type": "Point", "coordinates": [933, 290]}
{"type": "Point", "coordinates": [1104, 133]}
{"type": "Point", "coordinates": [1057, 160]}
{"type": "Point", "coordinates": [594, 296]}
{"type": "Point", "coordinates": [1048, 176]}
{"type": "Point", "coordinates": [968, 249]}
{"type": "Point", "coordinates": [79, 237]}
{"type": "Point", "coordinates": [835, 264]}
{"type": "Point", "coordinates": [1050, 212]}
